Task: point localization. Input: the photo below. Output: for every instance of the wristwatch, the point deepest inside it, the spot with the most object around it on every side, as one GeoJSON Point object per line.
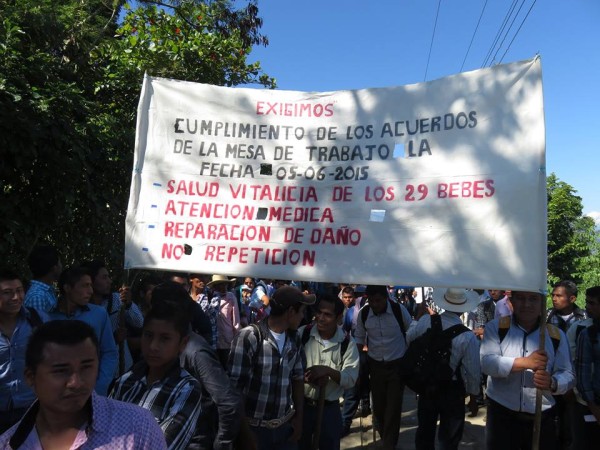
{"type": "Point", "coordinates": [553, 385]}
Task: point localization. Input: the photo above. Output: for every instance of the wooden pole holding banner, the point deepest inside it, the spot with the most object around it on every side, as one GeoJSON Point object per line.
{"type": "Point", "coordinates": [320, 407]}
{"type": "Point", "coordinates": [537, 420]}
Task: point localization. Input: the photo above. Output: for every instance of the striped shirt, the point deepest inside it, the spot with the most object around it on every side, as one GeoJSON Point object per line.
{"type": "Point", "coordinates": [262, 374]}
{"type": "Point", "coordinates": [174, 401]}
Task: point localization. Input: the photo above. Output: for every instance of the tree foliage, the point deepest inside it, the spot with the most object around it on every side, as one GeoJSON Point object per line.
{"type": "Point", "coordinates": [70, 78]}
{"type": "Point", "coordinates": [572, 237]}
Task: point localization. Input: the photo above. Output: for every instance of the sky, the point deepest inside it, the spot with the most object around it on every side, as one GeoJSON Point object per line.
{"type": "Point", "coordinates": [329, 45]}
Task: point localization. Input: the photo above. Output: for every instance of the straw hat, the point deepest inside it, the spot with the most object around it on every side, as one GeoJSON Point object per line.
{"type": "Point", "coordinates": [219, 279]}
{"type": "Point", "coordinates": [455, 299]}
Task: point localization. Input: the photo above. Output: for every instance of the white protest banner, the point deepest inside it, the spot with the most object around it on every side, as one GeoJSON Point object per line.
{"type": "Point", "coordinates": [433, 184]}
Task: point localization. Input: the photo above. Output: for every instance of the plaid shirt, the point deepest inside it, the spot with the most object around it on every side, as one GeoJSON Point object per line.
{"type": "Point", "coordinates": [262, 374]}
{"type": "Point", "coordinates": [174, 401]}
{"type": "Point", "coordinates": [555, 319]}
{"type": "Point", "coordinates": [485, 313]}
{"type": "Point", "coordinates": [41, 296]}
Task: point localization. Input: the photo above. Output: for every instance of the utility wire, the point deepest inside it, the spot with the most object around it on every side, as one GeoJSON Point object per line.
{"type": "Point", "coordinates": [432, 36]}
{"type": "Point", "coordinates": [519, 29]}
{"type": "Point", "coordinates": [499, 33]}
{"type": "Point", "coordinates": [473, 37]}
{"type": "Point", "coordinates": [507, 31]}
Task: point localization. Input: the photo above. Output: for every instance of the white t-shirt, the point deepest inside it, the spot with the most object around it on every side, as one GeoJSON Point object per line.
{"type": "Point", "coordinates": [280, 339]}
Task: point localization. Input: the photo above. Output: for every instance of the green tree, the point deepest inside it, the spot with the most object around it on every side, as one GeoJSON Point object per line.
{"type": "Point", "coordinates": [70, 78]}
{"type": "Point", "coordinates": [571, 235]}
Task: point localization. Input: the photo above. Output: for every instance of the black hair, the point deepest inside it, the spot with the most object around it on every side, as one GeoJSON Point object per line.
{"type": "Point", "coordinates": [338, 304]}
{"type": "Point", "coordinates": [147, 281]}
{"type": "Point", "coordinates": [173, 294]}
{"type": "Point", "coordinates": [179, 317]}
{"type": "Point", "coordinates": [593, 292]}
{"type": "Point", "coordinates": [70, 276]}
{"type": "Point", "coordinates": [93, 267]}
{"type": "Point", "coordinates": [42, 259]}
{"type": "Point", "coordinates": [570, 287]}
{"type": "Point", "coordinates": [8, 275]}
{"type": "Point", "coordinates": [61, 332]}
{"type": "Point", "coordinates": [348, 290]}
{"type": "Point", "coordinates": [170, 275]}
{"type": "Point", "coordinates": [374, 289]}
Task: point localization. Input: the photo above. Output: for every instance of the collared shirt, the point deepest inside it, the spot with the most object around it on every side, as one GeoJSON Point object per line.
{"type": "Point", "coordinates": [174, 401]}
{"type": "Point", "coordinates": [114, 425]}
{"type": "Point", "coordinates": [588, 363]}
{"type": "Point", "coordinates": [351, 316]}
{"type": "Point", "coordinates": [515, 390]}
{"type": "Point", "coordinates": [262, 374]}
{"type": "Point", "coordinates": [40, 296]}
{"type": "Point", "coordinates": [133, 318]}
{"type": "Point", "coordinates": [485, 313]}
{"type": "Point", "coordinates": [464, 351]}
{"type": "Point", "coordinates": [97, 317]}
{"type": "Point", "coordinates": [555, 318]}
{"type": "Point", "coordinates": [14, 391]}
{"type": "Point", "coordinates": [200, 360]}
{"type": "Point", "coordinates": [228, 322]}
{"type": "Point", "coordinates": [385, 339]}
{"type": "Point", "coordinates": [321, 353]}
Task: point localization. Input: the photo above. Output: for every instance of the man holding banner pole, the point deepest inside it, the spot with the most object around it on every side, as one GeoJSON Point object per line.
{"type": "Point", "coordinates": [517, 368]}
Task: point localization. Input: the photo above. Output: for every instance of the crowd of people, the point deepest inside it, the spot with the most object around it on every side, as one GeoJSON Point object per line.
{"type": "Point", "coordinates": [196, 361]}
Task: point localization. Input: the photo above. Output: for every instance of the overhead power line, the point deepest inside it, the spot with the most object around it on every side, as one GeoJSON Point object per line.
{"type": "Point", "coordinates": [432, 37]}
{"type": "Point", "coordinates": [473, 37]}
{"type": "Point", "coordinates": [519, 29]}
{"type": "Point", "coordinates": [507, 31]}
{"type": "Point", "coordinates": [499, 33]}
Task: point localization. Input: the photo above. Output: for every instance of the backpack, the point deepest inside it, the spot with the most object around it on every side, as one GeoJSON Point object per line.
{"type": "Point", "coordinates": [425, 367]}
{"type": "Point", "coordinates": [396, 309]}
{"type": "Point", "coordinates": [343, 346]}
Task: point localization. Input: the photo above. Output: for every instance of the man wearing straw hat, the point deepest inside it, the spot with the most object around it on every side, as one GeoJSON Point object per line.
{"type": "Point", "coordinates": [228, 317]}
{"type": "Point", "coordinates": [448, 403]}
{"type": "Point", "coordinates": [517, 367]}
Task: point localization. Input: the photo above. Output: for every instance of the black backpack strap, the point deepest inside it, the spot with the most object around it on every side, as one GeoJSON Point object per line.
{"type": "Point", "coordinates": [344, 345]}
{"type": "Point", "coordinates": [364, 313]}
{"type": "Point", "coordinates": [306, 333]}
{"type": "Point", "coordinates": [34, 318]}
{"type": "Point", "coordinates": [455, 330]}
{"type": "Point", "coordinates": [436, 321]}
{"type": "Point", "coordinates": [397, 310]}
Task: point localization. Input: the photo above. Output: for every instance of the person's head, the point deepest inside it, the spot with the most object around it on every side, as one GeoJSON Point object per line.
{"type": "Point", "coordinates": [11, 293]}
{"type": "Point", "coordinates": [527, 307]}
{"type": "Point", "coordinates": [329, 312]}
{"type": "Point", "coordinates": [179, 277]}
{"type": "Point", "coordinates": [288, 303]}
{"type": "Point", "coordinates": [496, 294]}
{"type": "Point", "coordinates": [348, 296]}
{"type": "Point", "coordinates": [246, 292]}
{"type": "Point", "coordinates": [172, 294]}
{"type": "Point", "coordinates": [164, 335]}
{"type": "Point", "coordinates": [146, 286]}
{"type": "Point", "coordinates": [198, 282]}
{"type": "Point", "coordinates": [564, 294]}
{"type": "Point", "coordinates": [75, 285]}
{"type": "Point", "coordinates": [378, 297]}
{"type": "Point", "coordinates": [61, 365]}
{"type": "Point", "coordinates": [249, 281]}
{"type": "Point", "coordinates": [101, 281]}
{"type": "Point", "coordinates": [220, 283]}
{"type": "Point", "coordinates": [592, 302]}
{"type": "Point", "coordinates": [44, 262]}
